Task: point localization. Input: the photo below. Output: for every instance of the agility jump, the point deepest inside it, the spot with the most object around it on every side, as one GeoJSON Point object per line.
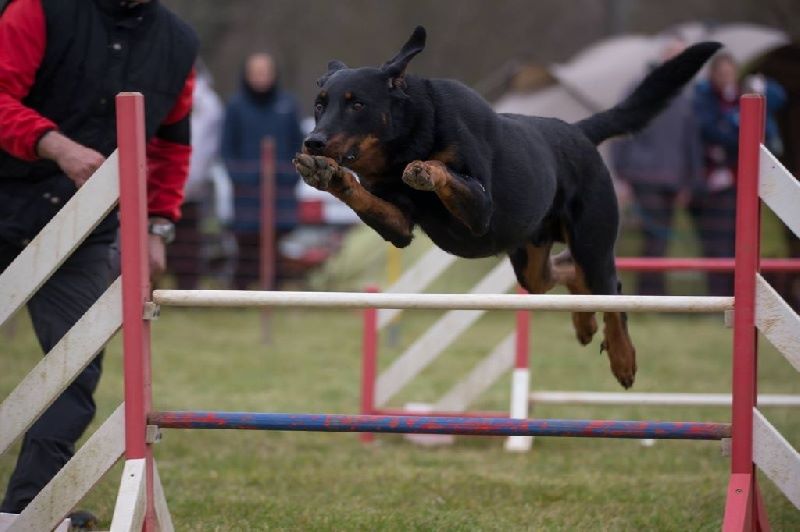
{"type": "Point", "coordinates": [132, 429]}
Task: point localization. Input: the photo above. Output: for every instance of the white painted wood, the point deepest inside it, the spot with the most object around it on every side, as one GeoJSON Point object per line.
{"type": "Point", "coordinates": [776, 458]}
{"type": "Point", "coordinates": [566, 303]}
{"type": "Point", "coordinates": [77, 477]}
{"type": "Point", "coordinates": [520, 386]}
{"type": "Point", "coordinates": [51, 376]}
{"type": "Point", "coordinates": [779, 190]}
{"type": "Point", "coordinates": [482, 376]}
{"type": "Point", "coordinates": [59, 238]}
{"type": "Point", "coordinates": [655, 399]}
{"type": "Point", "coordinates": [416, 279]}
{"type": "Point", "coordinates": [131, 502]}
{"type": "Point", "coordinates": [777, 321]}
{"type": "Point", "coordinates": [441, 334]}
{"type": "Point", "coordinates": [7, 519]}
{"type": "Point", "coordinates": [160, 503]}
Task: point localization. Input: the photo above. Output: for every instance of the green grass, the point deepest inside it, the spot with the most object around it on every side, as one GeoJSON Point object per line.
{"type": "Point", "coordinates": [219, 480]}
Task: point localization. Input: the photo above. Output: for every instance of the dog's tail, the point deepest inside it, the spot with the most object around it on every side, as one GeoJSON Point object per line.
{"type": "Point", "coordinates": [651, 96]}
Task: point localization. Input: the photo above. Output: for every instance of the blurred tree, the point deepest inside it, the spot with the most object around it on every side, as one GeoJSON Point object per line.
{"type": "Point", "coordinates": [467, 39]}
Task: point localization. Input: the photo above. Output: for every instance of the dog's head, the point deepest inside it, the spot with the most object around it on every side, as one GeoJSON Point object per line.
{"type": "Point", "coordinates": [356, 110]}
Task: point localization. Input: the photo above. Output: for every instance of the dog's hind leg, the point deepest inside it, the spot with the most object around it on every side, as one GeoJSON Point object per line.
{"type": "Point", "coordinates": [591, 232]}
{"type": "Point", "coordinates": [465, 198]}
{"type": "Point", "coordinates": [532, 266]}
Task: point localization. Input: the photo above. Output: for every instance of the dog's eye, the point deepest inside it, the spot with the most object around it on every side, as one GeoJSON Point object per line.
{"type": "Point", "coordinates": [319, 108]}
{"type": "Point", "coordinates": [357, 106]}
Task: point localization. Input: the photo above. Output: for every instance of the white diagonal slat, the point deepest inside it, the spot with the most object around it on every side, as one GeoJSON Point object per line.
{"type": "Point", "coordinates": [416, 279]}
{"type": "Point", "coordinates": [439, 336]}
{"type": "Point", "coordinates": [482, 376]}
{"type": "Point", "coordinates": [780, 190]}
{"type": "Point", "coordinates": [76, 478]}
{"type": "Point", "coordinates": [63, 363]}
{"type": "Point", "coordinates": [778, 322]}
{"type": "Point", "coordinates": [776, 457]}
{"type": "Point", "coordinates": [59, 238]}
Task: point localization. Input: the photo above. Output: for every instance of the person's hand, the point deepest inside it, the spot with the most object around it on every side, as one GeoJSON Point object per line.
{"type": "Point", "coordinates": [76, 161]}
{"type": "Point", "coordinates": [157, 251]}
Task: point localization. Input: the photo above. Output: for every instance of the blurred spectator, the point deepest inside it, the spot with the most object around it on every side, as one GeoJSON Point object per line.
{"type": "Point", "coordinates": [185, 254]}
{"type": "Point", "coordinates": [713, 207]}
{"type": "Point", "coordinates": [661, 164]}
{"type": "Point", "coordinates": [260, 109]}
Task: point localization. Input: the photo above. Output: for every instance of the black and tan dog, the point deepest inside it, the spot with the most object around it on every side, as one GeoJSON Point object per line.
{"type": "Point", "coordinates": [433, 153]}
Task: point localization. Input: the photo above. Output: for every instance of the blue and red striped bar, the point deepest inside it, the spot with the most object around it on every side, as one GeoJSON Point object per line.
{"type": "Point", "coordinates": [441, 425]}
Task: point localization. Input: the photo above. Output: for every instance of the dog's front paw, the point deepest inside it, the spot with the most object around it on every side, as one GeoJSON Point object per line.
{"type": "Point", "coordinates": [318, 171]}
{"type": "Point", "coordinates": [418, 175]}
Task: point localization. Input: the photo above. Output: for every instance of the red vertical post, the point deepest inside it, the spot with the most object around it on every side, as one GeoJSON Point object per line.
{"type": "Point", "coordinates": [135, 283]}
{"type": "Point", "coordinates": [369, 363]}
{"type": "Point", "coordinates": [267, 255]}
{"type": "Point", "coordinates": [740, 511]}
{"type": "Point", "coordinates": [523, 337]}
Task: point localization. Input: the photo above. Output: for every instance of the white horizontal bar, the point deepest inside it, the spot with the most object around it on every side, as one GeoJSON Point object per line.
{"type": "Point", "coordinates": [655, 399]}
{"type": "Point", "coordinates": [580, 303]}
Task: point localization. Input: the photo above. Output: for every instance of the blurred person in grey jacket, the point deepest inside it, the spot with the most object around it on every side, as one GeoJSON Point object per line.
{"type": "Point", "coordinates": [662, 165]}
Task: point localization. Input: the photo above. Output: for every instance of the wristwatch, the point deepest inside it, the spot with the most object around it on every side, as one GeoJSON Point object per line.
{"type": "Point", "coordinates": [163, 228]}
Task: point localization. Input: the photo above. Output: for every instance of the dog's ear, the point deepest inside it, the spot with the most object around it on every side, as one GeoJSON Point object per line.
{"type": "Point", "coordinates": [333, 66]}
{"type": "Point", "coordinates": [395, 68]}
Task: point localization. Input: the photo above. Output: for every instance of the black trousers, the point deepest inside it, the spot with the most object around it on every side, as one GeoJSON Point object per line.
{"type": "Point", "coordinates": [657, 211]}
{"type": "Point", "coordinates": [54, 309]}
{"type": "Point", "coordinates": [714, 215]}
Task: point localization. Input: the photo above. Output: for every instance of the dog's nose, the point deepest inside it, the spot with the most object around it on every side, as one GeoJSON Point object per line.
{"type": "Point", "coordinates": [315, 143]}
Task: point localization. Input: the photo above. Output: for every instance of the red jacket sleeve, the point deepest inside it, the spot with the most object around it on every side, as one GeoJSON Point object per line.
{"type": "Point", "coordinates": [22, 44]}
{"type": "Point", "coordinates": [168, 155]}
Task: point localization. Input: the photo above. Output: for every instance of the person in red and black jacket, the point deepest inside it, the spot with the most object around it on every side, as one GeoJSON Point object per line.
{"type": "Point", "coordinates": [61, 64]}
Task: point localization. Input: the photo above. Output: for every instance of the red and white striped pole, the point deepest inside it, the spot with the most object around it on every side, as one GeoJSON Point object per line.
{"type": "Point", "coordinates": [135, 284]}
{"type": "Point", "coordinates": [743, 509]}
{"type": "Point", "coordinates": [369, 363]}
{"type": "Point", "coordinates": [520, 379]}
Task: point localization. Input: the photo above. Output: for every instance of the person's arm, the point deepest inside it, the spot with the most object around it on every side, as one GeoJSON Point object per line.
{"type": "Point", "coordinates": [168, 154]}
{"type": "Point", "coordinates": [26, 134]}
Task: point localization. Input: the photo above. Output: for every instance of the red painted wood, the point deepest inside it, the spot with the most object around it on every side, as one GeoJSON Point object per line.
{"type": "Point", "coordinates": [369, 363]}
{"type": "Point", "coordinates": [738, 504]}
{"type": "Point", "coordinates": [135, 284]}
{"type": "Point", "coordinates": [522, 345]}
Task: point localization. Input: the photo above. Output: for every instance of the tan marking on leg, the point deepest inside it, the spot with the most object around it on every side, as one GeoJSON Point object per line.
{"type": "Point", "coordinates": [621, 353]}
{"type": "Point", "coordinates": [584, 322]}
{"type": "Point", "coordinates": [446, 156]}
{"type": "Point", "coordinates": [538, 278]}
